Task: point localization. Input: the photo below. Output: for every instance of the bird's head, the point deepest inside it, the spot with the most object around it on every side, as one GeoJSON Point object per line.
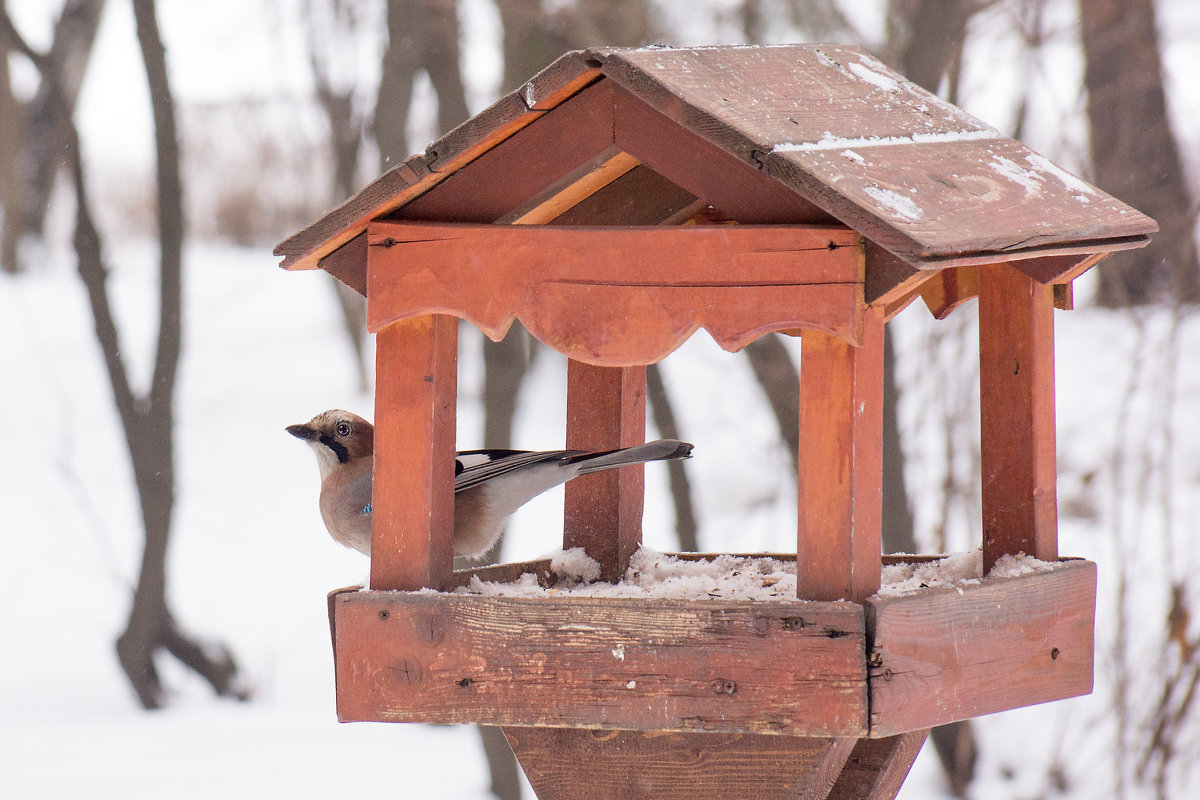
{"type": "Point", "coordinates": [337, 437]}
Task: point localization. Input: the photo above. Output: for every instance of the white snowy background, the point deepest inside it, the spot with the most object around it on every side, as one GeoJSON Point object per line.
{"type": "Point", "coordinates": [250, 563]}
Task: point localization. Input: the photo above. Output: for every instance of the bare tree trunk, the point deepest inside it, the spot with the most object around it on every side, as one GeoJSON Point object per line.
{"type": "Point", "coordinates": [148, 420]}
{"type": "Point", "coordinates": [422, 35]}
{"type": "Point", "coordinates": [780, 382]}
{"type": "Point", "coordinates": [898, 533]}
{"type": "Point", "coordinates": [1135, 154]}
{"type": "Point", "coordinates": [12, 138]}
{"type": "Point", "coordinates": [530, 40]}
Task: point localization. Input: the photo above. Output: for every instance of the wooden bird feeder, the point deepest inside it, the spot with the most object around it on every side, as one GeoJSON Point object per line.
{"type": "Point", "coordinates": [582, 205]}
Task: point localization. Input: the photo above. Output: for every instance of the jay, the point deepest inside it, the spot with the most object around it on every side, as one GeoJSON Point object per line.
{"type": "Point", "coordinates": [489, 485]}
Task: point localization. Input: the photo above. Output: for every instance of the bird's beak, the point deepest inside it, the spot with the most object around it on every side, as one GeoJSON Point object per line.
{"type": "Point", "coordinates": [301, 432]}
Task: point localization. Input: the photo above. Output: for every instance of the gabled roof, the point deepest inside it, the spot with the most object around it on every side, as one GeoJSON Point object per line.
{"type": "Point", "coordinates": [764, 134]}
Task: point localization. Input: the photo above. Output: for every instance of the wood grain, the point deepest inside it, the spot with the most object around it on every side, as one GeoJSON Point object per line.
{"type": "Point", "coordinates": [559, 81]}
{"type": "Point", "coordinates": [521, 166]}
{"type": "Point", "coordinates": [639, 197]}
{"type": "Point", "coordinates": [573, 288]}
{"type": "Point", "coordinates": [349, 263]}
{"type": "Point", "coordinates": [602, 512]}
{"type": "Point", "coordinates": [906, 169]}
{"type": "Point", "coordinates": [1016, 410]}
{"type": "Point", "coordinates": [566, 764]}
{"type": "Point", "coordinates": [840, 464]}
{"type": "Point", "coordinates": [701, 167]}
{"type": "Point", "coordinates": [877, 768]}
{"type": "Point", "coordinates": [795, 669]}
{"type": "Point", "coordinates": [579, 184]}
{"type": "Point", "coordinates": [412, 525]}
{"type": "Point", "coordinates": [949, 289]}
{"type": "Point", "coordinates": [943, 655]}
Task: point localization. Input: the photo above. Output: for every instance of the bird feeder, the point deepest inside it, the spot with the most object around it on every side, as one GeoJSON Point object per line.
{"type": "Point", "coordinates": [583, 205]}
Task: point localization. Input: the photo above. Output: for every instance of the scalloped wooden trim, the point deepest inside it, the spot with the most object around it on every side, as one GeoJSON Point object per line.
{"type": "Point", "coordinates": [620, 296]}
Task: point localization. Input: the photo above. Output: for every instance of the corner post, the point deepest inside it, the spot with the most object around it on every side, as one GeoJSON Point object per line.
{"type": "Point", "coordinates": [1016, 412]}
{"type": "Point", "coordinates": [840, 494]}
{"type": "Point", "coordinates": [606, 409]}
{"type": "Point", "coordinates": [416, 390]}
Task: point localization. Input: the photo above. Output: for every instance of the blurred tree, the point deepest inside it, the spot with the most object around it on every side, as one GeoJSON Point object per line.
{"type": "Point", "coordinates": [332, 34]}
{"type": "Point", "coordinates": [34, 135]}
{"type": "Point", "coordinates": [148, 420]}
{"type": "Point", "coordinates": [423, 36]}
{"type": "Point", "coordinates": [1134, 152]}
{"type": "Point", "coordinates": [12, 125]}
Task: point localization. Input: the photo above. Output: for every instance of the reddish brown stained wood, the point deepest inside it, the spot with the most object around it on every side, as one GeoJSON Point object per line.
{"type": "Point", "coordinates": [559, 81]}
{"type": "Point", "coordinates": [349, 263]}
{"type": "Point", "coordinates": [922, 201]}
{"type": "Point", "coordinates": [888, 277]}
{"type": "Point", "coordinates": [566, 764]}
{"type": "Point", "coordinates": [751, 98]}
{"type": "Point", "coordinates": [705, 170]}
{"type": "Point", "coordinates": [1058, 269]}
{"type": "Point", "coordinates": [956, 189]}
{"type": "Point", "coordinates": [1016, 388]}
{"type": "Point", "coordinates": [573, 287]}
{"type": "Point", "coordinates": [413, 496]}
{"type": "Point", "coordinates": [816, 138]}
{"type": "Point", "coordinates": [639, 197]}
{"type": "Point", "coordinates": [522, 165]}
{"type": "Point", "coordinates": [582, 182]}
{"type": "Point", "coordinates": [304, 249]}
{"type": "Point", "coordinates": [946, 655]}
{"type": "Point", "coordinates": [793, 669]}
{"type": "Point", "coordinates": [1064, 296]}
{"type": "Point", "coordinates": [840, 468]}
{"type": "Point", "coordinates": [606, 409]}
{"type": "Point", "coordinates": [949, 289]}
{"type": "Point", "coordinates": [876, 768]}
{"type": "Point", "coordinates": [479, 134]}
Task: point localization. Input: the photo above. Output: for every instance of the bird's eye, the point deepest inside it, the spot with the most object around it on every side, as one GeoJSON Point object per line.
{"type": "Point", "coordinates": [343, 429]}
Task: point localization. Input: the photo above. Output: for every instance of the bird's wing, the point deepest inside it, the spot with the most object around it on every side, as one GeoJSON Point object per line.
{"type": "Point", "coordinates": [478, 466]}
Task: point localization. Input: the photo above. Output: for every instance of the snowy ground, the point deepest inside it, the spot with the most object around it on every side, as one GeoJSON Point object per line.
{"type": "Point", "coordinates": [251, 564]}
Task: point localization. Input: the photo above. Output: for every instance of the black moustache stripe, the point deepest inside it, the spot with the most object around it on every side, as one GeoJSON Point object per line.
{"type": "Point", "coordinates": [339, 449]}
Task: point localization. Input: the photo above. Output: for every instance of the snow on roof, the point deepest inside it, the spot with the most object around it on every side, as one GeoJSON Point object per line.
{"type": "Point", "coordinates": [652, 574]}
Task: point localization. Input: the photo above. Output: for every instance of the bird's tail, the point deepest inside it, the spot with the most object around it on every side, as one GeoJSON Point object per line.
{"type": "Point", "coordinates": [661, 450]}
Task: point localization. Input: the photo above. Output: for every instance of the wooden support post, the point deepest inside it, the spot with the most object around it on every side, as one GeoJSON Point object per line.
{"type": "Point", "coordinates": [877, 767]}
{"type": "Point", "coordinates": [576, 764]}
{"type": "Point", "coordinates": [413, 498]}
{"type": "Point", "coordinates": [606, 409]}
{"type": "Point", "coordinates": [840, 464]}
{"type": "Point", "coordinates": [1016, 396]}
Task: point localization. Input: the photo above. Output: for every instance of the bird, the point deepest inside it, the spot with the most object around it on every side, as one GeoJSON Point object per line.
{"type": "Point", "coordinates": [489, 485]}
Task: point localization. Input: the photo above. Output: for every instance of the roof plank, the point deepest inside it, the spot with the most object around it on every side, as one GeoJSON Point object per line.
{"type": "Point", "coordinates": [915, 174]}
